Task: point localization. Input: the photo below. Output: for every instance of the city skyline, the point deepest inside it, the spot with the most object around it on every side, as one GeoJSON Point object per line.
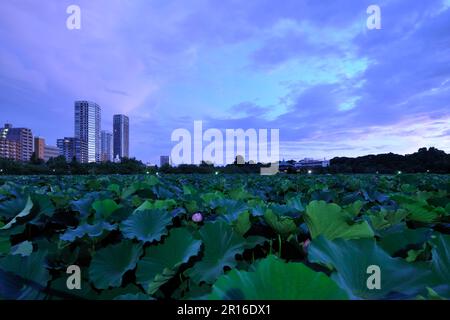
{"type": "Point", "coordinates": [89, 144]}
{"type": "Point", "coordinates": [313, 70]}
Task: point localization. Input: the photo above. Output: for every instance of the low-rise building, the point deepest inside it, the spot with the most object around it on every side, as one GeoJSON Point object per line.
{"type": "Point", "coordinates": [73, 148]}
{"type": "Point", "coordinates": [51, 152]}
{"type": "Point", "coordinates": [309, 163]}
{"type": "Point", "coordinates": [164, 160]}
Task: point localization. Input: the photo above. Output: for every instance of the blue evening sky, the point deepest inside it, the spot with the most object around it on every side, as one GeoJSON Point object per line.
{"type": "Point", "coordinates": [309, 68]}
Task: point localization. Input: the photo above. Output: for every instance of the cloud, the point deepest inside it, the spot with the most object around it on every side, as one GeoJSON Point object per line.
{"type": "Point", "coordinates": [118, 92]}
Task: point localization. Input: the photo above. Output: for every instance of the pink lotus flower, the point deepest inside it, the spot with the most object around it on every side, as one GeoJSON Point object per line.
{"type": "Point", "coordinates": [306, 244]}
{"type": "Point", "coordinates": [197, 217]}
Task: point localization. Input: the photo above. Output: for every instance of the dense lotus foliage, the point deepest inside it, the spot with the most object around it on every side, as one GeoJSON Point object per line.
{"type": "Point", "coordinates": [225, 236]}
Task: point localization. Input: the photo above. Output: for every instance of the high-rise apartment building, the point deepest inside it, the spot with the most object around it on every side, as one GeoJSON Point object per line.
{"type": "Point", "coordinates": [87, 127]}
{"type": "Point", "coordinates": [106, 146]}
{"type": "Point", "coordinates": [121, 127]}
{"type": "Point", "coordinates": [72, 148]}
{"type": "Point", "coordinates": [23, 137]}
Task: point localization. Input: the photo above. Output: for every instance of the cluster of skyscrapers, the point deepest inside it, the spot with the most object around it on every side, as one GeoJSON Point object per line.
{"type": "Point", "coordinates": [89, 143]}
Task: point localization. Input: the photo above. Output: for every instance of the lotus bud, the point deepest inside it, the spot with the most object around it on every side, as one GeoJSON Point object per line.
{"type": "Point", "coordinates": [197, 217]}
{"type": "Point", "coordinates": [306, 244]}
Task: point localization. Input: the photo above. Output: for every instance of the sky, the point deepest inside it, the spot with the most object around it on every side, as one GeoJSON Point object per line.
{"type": "Point", "coordinates": [311, 69]}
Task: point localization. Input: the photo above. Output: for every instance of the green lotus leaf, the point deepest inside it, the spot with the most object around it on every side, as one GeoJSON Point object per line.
{"type": "Point", "coordinates": [431, 295]}
{"type": "Point", "coordinates": [189, 290]}
{"type": "Point", "coordinates": [24, 249]}
{"type": "Point", "coordinates": [274, 279]}
{"type": "Point", "coordinates": [239, 193]}
{"type": "Point", "coordinates": [329, 220]}
{"type": "Point", "coordinates": [60, 291]}
{"type": "Point", "coordinates": [157, 204]}
{"type": "Point", "coordinates": [284, 226]}
{"type": "Point", "coordinates": [229, 209]}
{"type": "Point", "coordinates": [25, 212]}
{"type": "Point", "coordinates": [93, 231]}
{"type": "Point", "coordinates": [413, 255]}
{"type": "Point", "coordinates": [14, 230]}
{"type": "Point", "coordinates": [352, 261]}
{"type": "Point", "coordinates": [134, 297]}
{"type": "Point", "coordinates": [441, 257]}
{"type": "Point", "coordinates": [423, 212]}
{"type": "Point", "coordinates": [113, 293]}
{"type": "Point", "coordinates": [385, 219]}
{"type": "Point", "coordinates": [161, 262]}
{"type": "Point", "coordinates": [10, 208]}
{"type": "Point", "coordinates": [253, 241]}
{"type": "Point", "coordinates": [222, 245]}
{"type": "Point", "coordinates": [211, 197]}
{"type": "Point", "coordinates": [114, 188]}
{"type": "Point", "coordinates": [84, 204]}
{"type": "Point", "coordinates": [296, 203]}
{"type": "Point", "coordinates": [188, 190]}
{"type": "Point", "coordinates": [418, 207]}
{"type": "Point", "coordinates": [243, 224]}
{"type": "Point", "coordinates": [146, 225]}
{"type": "Point", "coordinates": [284, 210]}
{"type": "Point", "coordinates": [5, 245]}
{"type": "Point", "coordinates": [257, 207]}
{"type": "Point", "coordinates": [139, 187]}
{"type": "Point", "coordinates": [353, 210]}
{"type": "Point", "coordinates": [43, 205]}
{"type": "Point", "coordinates": [110, 264]}
{"type": "Point", "coordinates": [104, 208]}
{"type": "Point", "coordinates": [404, 237]}
{"type": "Point", "coordinates": [440, 201]}
{"type": "Point", "coordinates": [23, 278]}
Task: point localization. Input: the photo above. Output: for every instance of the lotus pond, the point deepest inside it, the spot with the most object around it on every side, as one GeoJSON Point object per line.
{"type": "Point", "coordinates": [225, 237]}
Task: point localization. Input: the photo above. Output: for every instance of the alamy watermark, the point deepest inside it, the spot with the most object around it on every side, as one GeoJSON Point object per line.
{"type": "Point", "coordinates": [74, 280]}
{"type": "Point", "coordinates": [374, 280]}
{"type": "Point", "coordinates": [374, 19]}
{"type": "Point", "coordinates": [73, 22]}
{"type": "Point", "coordinates": [222, 149]}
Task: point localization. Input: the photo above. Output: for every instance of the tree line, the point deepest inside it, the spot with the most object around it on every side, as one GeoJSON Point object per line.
{"type": "Point", "coordinates": [424, 160]}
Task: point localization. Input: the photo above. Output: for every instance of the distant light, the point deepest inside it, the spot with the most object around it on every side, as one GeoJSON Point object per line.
{"type": "Point", "coordinates": [377, 172]}
{"type": "Point", "coordinates": [217, 172]}
{"type": "Point", "coordinates": [428, 171]}
{"type": "Point", "coordinates": [157, 173]}
{"type": "Point", "coordinates": [148, 172]}
{"type": "Point", "coordinates": [399, 172]}
{"type": "Point", "coordinates": [309, 171]}
{"type": "Point", "coordinates": [1, 170]}
{"type": "Point", "coordinates": [54, 170]}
